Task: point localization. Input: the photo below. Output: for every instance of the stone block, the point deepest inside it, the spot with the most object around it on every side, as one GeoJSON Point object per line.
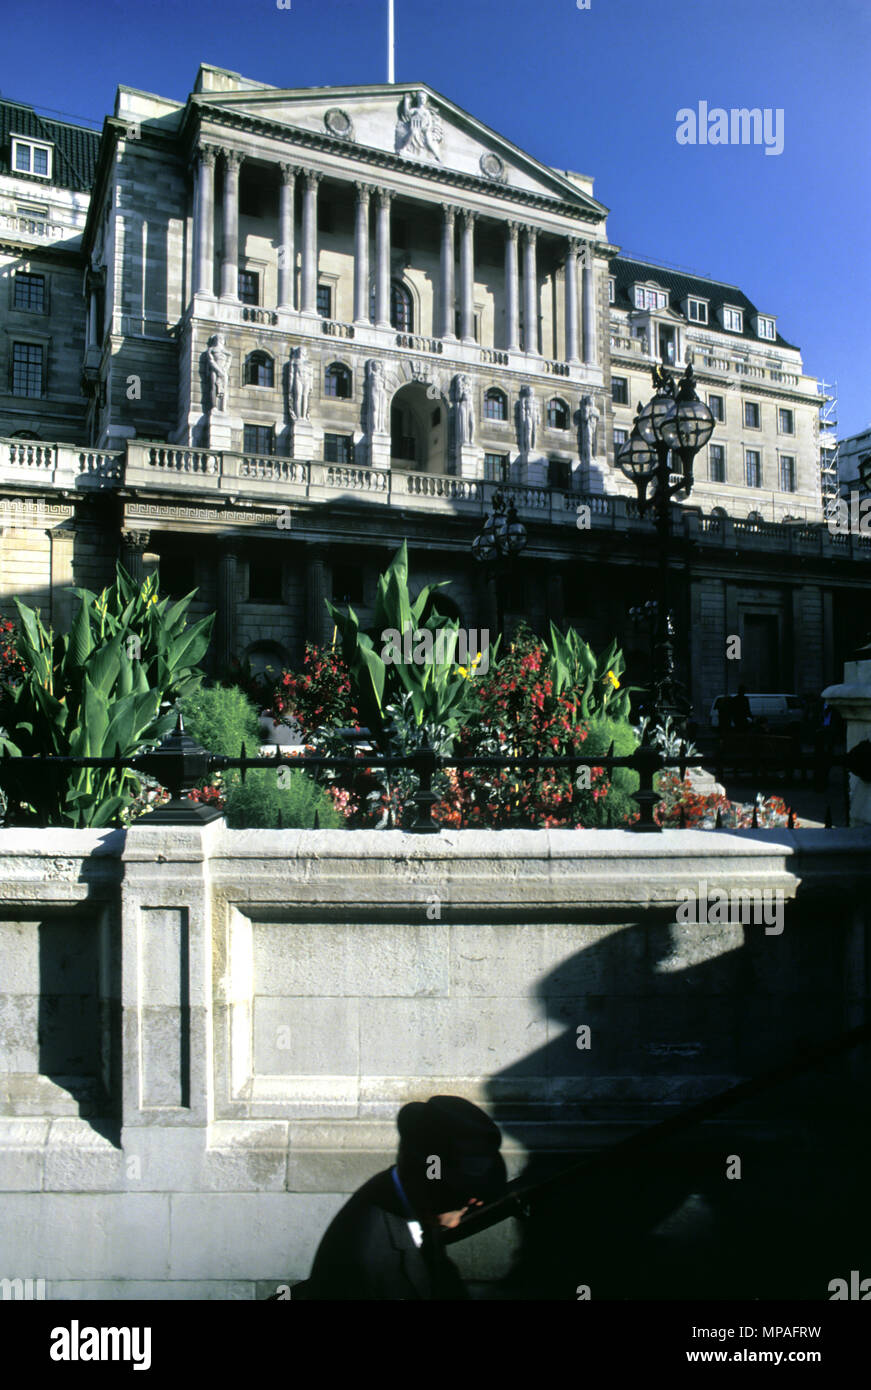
{"type": "Point", "coordinates": [79, 1235]}
{"type": "Point", "coordinates": [236, 1236]}
{"type": "Point", "coordinates": [306, 1036]}
{"type": "Point", "coordinates": [347, 959]}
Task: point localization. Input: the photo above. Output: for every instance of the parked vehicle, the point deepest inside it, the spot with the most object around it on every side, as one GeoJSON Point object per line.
{"type": "Point", "coordinates": [772, 711]}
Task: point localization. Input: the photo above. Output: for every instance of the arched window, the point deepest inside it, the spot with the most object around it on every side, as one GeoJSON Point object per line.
{"type": "Point", "coordinates": [557, 414]}
{"type": "Point", "coordinates": [401, 308]}
{"type": "Point", "coordinates": [337, 381]}
{"type": "Point", "coordinates": [719, 512]}
{"type": "Point", "coordinates": [495, 404]}
{"type": "Point", "coordinates": [259, 369]}
{"type": "Point", "coordinates": [755, 518]}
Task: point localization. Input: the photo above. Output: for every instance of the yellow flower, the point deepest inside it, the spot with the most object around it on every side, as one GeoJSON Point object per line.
{"type": "Point", "coordinates": [613, 679]}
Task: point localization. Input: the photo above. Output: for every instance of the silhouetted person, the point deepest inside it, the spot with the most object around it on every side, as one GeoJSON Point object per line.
{"type": "Point", "coordinates": [741, 709]}
{"type": "Point", "coordinates": [385, 1243]}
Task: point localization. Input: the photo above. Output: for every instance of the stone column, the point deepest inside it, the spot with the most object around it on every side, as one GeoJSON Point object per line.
{"type": "Point", "coordinates": [62, 541]}
{"type": "Point", "coordinates": [225, 626]}
{"type": "Point", "coordinates": [382, 258]}
{"type": "Point", "coordinates": [467, 276]}
{"type": "Point", "coordinates": [591, 354]}
{"type": "Point", "coordinates": [572, 300]}
{"type": "Point", "coordinates": [361, 254]}
{"type": "Point", "coordinates": [205, 210]}
{"type": "Point", "coordinates": [309, 296]}
{"type": "Point", "coordinates": [93, 336]}
{"type": "Point", "coordinates": [852, 700]}
{"type": "Point", "coordinates": [315, 593]}
{"type": "Point", "coordinates": [230, 259]}
{"type": "Point", "coordinates": [447, 273]}
{"type": "Point", "coordinates": [133, 547]}
{"type": "Point", "coordinates": [530, 285]}
{"type": "Point", "coordinates": [512, 288]}
{"type": "Point", "coordinates": [286, 247]}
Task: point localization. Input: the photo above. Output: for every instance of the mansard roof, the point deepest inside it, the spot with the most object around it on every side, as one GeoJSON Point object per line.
{"type": "Point", "coordinates": [75, 146]}
{"type": "Point", "coordinates": [372, 124]}
{"type": "Point", "coordinates": [681, 285]}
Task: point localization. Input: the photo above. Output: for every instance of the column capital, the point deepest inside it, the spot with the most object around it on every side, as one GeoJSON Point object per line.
{"type": "Point", "coordinates": [467, 217]}
{"type": "Point", "coordinates": [385, 197]}
{"type": "Point", "coordinates": [531, 234]}
{"type": "Point", "coordinates": [513, 229]}
{"type": "Point", "coordinates": [207, 154]}
{"type": "Point", "coordinates": [288, 172]}
{"type": "Point", "coordinates": [574, 245]}
{"type": "Point", "coordinates": [232, 158]}
{"type": "Point", "coordinates": [312, 177]}
{"type": "Point", "coordinates": [364, 191]}
{"type": "Point", "coordinates": [136, 540]}
{"type": "Point", "coordinates": [450, 213]}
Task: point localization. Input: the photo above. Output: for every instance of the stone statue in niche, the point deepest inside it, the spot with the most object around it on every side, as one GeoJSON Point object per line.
{"type": "Point", "coordinates": [218, 367]}
{"type": "Point", "coordinates": [527, 420]}
{"type": "Point", "coordinates": [464, 410]}
{"type": "Point", "coordinates": [589, 430]}
{"type": "Point", "coordinates": [376, 397]}
{"type": "Point", "coordinates": [301, 381]}
{"type": "Point", "coordinates": [419, 129]}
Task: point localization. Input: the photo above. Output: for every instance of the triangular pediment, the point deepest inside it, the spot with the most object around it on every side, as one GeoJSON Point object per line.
{"type": "Point", "coordinates": [409, 122]}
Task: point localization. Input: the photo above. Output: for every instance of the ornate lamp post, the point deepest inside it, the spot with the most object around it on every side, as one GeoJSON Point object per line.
{"type": "Point", "coordinates": [502, 536]}
{"type": "Point", "coordinates": [673, 423]}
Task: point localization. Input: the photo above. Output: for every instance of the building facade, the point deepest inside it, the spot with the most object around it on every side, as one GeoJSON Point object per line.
{"type": "Point", "coordinates": [288, 329]}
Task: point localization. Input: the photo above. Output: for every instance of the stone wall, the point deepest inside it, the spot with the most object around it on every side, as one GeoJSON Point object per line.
{"type": "Point", "coordinates": [206, 1033]}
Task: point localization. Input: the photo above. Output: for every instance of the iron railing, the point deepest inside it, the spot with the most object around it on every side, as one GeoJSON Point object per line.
{"type": "Point", "coordinates": [179, 764]}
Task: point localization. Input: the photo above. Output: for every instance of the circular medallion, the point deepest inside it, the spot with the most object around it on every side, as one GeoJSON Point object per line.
{"type": "Point", "coordinates": [492, 166]}
{"type": "Point", "coordinates": [339, 123]}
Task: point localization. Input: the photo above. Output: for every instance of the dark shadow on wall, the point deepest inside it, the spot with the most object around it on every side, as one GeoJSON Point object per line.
{"type": "Point", "coordinates": [666, 1031]}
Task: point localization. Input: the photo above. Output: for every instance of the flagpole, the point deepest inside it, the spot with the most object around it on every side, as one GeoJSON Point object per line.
{"type": "Point", "coordinates": [390, 76]}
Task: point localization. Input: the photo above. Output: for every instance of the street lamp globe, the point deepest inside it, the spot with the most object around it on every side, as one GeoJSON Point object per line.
{"type": "Point", "coordinates": [515, 532]}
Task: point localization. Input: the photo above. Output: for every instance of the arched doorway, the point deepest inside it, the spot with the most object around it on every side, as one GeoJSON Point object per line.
{"type": "Point", "coordinates": [419, 429]}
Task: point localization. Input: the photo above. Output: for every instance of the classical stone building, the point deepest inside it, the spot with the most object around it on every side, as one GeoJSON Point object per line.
{"type": "Point", "coordinates": [311, 323]}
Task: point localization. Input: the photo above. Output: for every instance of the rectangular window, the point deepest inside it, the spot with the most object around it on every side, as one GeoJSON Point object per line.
{"type": "Point", "coordinates": [249, 287]}
{"type": "Point", "coordinates": [650, 299]}
{"type": "Point", "coordinates": [753, 468]}
{"type": "Point", "coordinates": [667, 345]}
{"type": "Point", "coordinates": [258, 439]}
{"type": "Point", "coordinates": [611, 290]}
{"type": "Point", "coordinates": [29, 292]}
{"type": "Point", "coordinates": [698, 310]}
{"type": "Point", "coordinates": [751, 415]}
{"type": "Point", "coordinates": [496, 468]}
{"type": "Point", "coordinates": [338, 448]}
{"type": "Point", "coordinates": [787, 473]}
{"type": "Point", "coordinates": [716, 463]}
{"type": "Point", "coordinates": [785, 421]}
{"type": "Point", "coordinates": [325, 301]}
{"type": "Point", "coordinates": [717, 407]}
{"type": "Point", "coordinates": [766, 328]}
{"type": "Point", "coordinates": [31, 157]}
{"type": "Point", "coordinates": [28, 369]}
{"type": "Point", "coordinates": [559, 474]}
{"type": "Point", "coordinates": [620, 437]}
{"type": "Point", "coordinates": [264, 582]}
{"type": "Point", "coordinates": [619, 390]}
{"type": "Point", "coordinates": [733, 319]}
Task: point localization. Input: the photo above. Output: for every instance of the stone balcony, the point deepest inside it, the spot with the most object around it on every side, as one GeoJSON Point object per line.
{"type": "Point", "coordinates": [274, 483]}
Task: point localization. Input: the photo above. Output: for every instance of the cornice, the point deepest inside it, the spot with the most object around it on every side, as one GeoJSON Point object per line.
{"type": "Point", "coordinates": [437, 175]}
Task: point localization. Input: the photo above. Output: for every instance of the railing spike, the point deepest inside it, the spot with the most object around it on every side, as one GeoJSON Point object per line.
{"type": "Point", "coordinates": [243, 755]}
{"type": "Point", "coordinates": [280, 819]}
{"type": "Point", "coordinates": [316, 823]}
{"type": "Point", "coordinates": [790, 824]}
{"type": "Point", "coordinates": [718, 823]}
{"type": "Point", "coordinates": [754, 824]}
{"type": "Point", "coordinates": [828, 820]}
{"type": "Point", "coordinates": [683, 818]}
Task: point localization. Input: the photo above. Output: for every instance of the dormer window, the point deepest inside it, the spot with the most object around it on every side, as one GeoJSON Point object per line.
{"type": "Point", "coordinates": [697, 310]}
{"type": "Point", "coordinates": [650, 299]}
{"type": "Point", "coordinates": [31, 157]}
{"type": "Point", "coordinates": [733, 319]}
{"type": "Point", "coordinates": [766, 327]}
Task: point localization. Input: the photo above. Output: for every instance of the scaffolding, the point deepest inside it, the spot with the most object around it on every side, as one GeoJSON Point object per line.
{"type": "Point", "coordinates": [829, 479]}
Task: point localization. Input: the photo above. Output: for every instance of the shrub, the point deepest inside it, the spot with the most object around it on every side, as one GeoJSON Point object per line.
{"type": "Point", "coordinates": [222, 718]}
{"type": "Point", "coordinates": [256, 803]}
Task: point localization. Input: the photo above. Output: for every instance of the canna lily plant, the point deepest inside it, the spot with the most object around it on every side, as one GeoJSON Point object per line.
{"type": "Point", "coordinates": [96, 691]}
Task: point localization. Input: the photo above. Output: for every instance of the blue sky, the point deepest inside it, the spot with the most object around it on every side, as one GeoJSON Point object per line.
{"type": "Point", "coordinates": [593, 90]}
